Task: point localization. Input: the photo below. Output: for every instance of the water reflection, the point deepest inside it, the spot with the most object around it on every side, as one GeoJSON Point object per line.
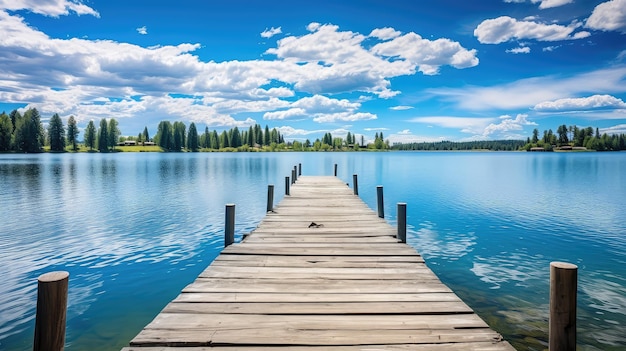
{"type": "Point", "coordinates": [134, 229]}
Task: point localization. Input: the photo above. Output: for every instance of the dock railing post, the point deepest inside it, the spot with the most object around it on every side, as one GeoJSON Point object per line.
{"type": "Point", "coordinates": [335, 169]}
{"type": "Point", "coordinates": [355, 182]}
{"type": "Point", "coordinates": [401, 236]}
{"type": "Point", "coordinates": [50, 319]}
{"type": "Point", "coordinates": [286, 185]}
{"type": "Point", "coordinates": [270, 198]}
{"type": "Point", "coordinates": [299, 169]}
{"type": "Point", "coordinates": [563, 286]}
{"type": "Point", "coordinates": [381, 201]}
{"type": "Point", "coordinates": [229, 230]}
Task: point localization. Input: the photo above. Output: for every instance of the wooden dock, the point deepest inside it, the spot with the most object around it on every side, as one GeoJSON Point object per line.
{"type": "Point", "coordinates": [346, 284]}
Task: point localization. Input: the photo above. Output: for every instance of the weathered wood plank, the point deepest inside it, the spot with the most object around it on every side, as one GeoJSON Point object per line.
{"type": "Point", "coordinates": [474, 346]}
{"type": "Point", "coordinates": [316, 322]}
{"type": "Point", "coordinates": [314, 297]}
{"type": "Point", "coordinates": [313, 308]}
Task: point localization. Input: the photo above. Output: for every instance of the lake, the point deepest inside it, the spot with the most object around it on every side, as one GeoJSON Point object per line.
{"type": "Point", "coordinates": [133, 229]}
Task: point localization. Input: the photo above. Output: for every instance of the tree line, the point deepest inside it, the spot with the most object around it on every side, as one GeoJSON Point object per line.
{"type": "Point", "coordinates": [576, 137]}
{"type": "Point", "coordinates": [492, 145]}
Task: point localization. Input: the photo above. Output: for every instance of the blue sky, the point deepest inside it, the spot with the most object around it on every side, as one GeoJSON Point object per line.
{"type": "Point", "coordinates": [414, 70]}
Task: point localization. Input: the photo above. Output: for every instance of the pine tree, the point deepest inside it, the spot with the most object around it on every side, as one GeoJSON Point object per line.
{"type": "Point", "coordinates": [266, 136]}
{"type": "Point", "coordinates": [164, 135]}
{"type": "Point", "coordinates": [103, 136]}
{"type": "Point", "coordinates": [56, 133]}
{"type": "Point", "coordinates": [146, 136]}
{"type": "Point", "coordinates": [192, 138]}
{"type": "Point", "coordinates": [72, 132]}
{"type": "Point", "coordinates": [90, 135]}
{"type": "Point", "coordinates": [6, 130]}
{"type": "Point", "coordinates": [113, 133]}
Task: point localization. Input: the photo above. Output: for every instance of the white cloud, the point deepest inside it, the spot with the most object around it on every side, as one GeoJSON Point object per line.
{"type": "Point", "coordinates": [580, 104]}
{"type": "Point", "coordinates": [405, 132]}
{"type": "Point", "coordinates": [508, 124]}
{"type": "Point", "coordinates": [142, 30]}
{"type": "Point", "coordinates": [470, 125]}
{"type": "Point", "coordinates": [385, 33]}
{"type": "Point", "coordinates": [268, 33]}
{"type": "Point", "coordinates": [520, 50]}
{"type": "Point", "coordinates": [401, 108]}
{"type": "Point", "coordinates": [608, 16]}
{"type": "Point", "coordinates": [54, 8]}
{"type": "Point", "coordinates": [427, 55]}
{"type": "Point", "coordinates": [375, 129]}
{"type": "Point", "coordinates": [103, 77]}
{"type": "Point", "coordinates": [344, 117]}
{"type": "Point", "coordinates": [505, 28]}
{"type": "Point", "coordinates": [551, 48]}
{"type": "Point", "coordinates": [285, 114]}
{"type": "Point", "coordinates": [400, 138]}
{"type": "Point", "coordinates": [618, 129]}
{"type": "Point", "coordinates": [526, 93]}
{"type": "Point", "coordinates": [545, 4]}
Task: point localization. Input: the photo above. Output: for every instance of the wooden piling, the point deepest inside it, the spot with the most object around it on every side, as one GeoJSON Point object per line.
{"type": "Point", "coordinates": [380, 201]}
{"type": "Point", "coordinates": [299, 169]}
{"type": "Point", "coordinates": [355, 182]}
{"type": "Point", "coordinates": [51, 314]}
{"type": "Point", "coordinates": [286, 185]}
{"type": "Point", "coordinates": [293, 176]}
{"type": "Point", "coordinates": [335, 169]}
{"type": "Point", "coordinates": [563, 286]}
{"type": "Point", "coordinates": [229, 231]}
{"type": "Point", "coordinates": [270, 198]}
{"type": "Point", "coordinates": [295, 173]}
{"type": "Point", "coordinates": [401, 222]}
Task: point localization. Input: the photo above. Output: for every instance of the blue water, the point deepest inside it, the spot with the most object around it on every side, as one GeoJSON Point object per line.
{"type": "Point", "coordinates": [133, 229]}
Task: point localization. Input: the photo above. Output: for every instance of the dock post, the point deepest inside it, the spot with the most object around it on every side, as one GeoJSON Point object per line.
{"type": "Point", "coordinates": [270, 198]}
{"type": "Point", "coordinates": [355, 182]}
{"type": "Point", "coordinates": [401, 236]}
{"type": "Point", "coordinates": [295, 173]}
{"type": "Point", "coordinates": [286, 185]}
{"type": "Point", "coordinates": [381, 203]}
{"type": "Point", "coordinates": [50, 319]}
{"type": "Point", "coordinates": [299, 169]}
{"type": "Point", "coordinates": [293, 176]}
{"type": "Point", "coordinates": [563, 286]}
{"type": "Point", "coordinates": [229, 232]}
{"type": "Point", "coordinates": [335, 169]}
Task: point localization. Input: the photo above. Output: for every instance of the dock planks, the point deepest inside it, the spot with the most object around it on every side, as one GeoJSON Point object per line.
{"type": "Point", "coordinates": [347, 285]}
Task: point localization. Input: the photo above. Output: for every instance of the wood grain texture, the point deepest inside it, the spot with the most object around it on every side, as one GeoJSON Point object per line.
{"type": "Point", "coordinates": [346, 284]}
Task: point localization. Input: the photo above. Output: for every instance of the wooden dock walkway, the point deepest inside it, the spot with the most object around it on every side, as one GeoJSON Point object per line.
{"type": "Point", "coordinates": [345, 285]}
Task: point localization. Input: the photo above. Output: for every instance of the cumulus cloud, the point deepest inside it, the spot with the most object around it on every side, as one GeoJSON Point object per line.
{"type": "Point", "coordinates": [545, 4]}
{"type": "Point", "coordinates": [142, 30]}
{"type": "Point", "coordinates": [608, 16]}
{"type": "Point", "coordinates": [581, 104]}
{"type": "Point", "coordinates": [520, 50]}
{"type": "Point", "coordinates": [508, 124]}
{"type": "Point", "coordinates": [53, 8]}
{"type": "Point", "coordinates": [321, 109]}
{"type": "Point", "coordinates": [104, 77]}
{"type": "Point", "coordinates": [385, 33]}
{"type": "Point", "coordinates": [505, 28]}
{"type": "Point", "coordinates": [268, 33]}
{"type": "Point", "coordinates": [427, 55]}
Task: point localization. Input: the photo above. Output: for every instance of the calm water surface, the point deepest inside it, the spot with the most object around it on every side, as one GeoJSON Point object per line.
{"type": "Point", "coordinates": [133, 229]}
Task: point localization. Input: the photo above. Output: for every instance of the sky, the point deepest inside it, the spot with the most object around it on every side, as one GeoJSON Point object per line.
{"type": "Point", "coordinates": [416, 71]}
